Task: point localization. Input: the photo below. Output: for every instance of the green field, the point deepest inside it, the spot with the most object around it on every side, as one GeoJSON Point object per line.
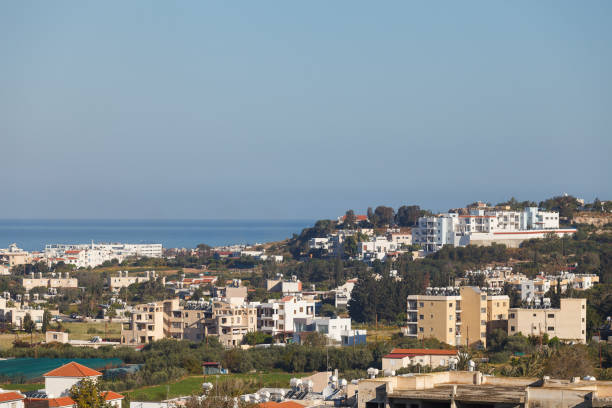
{"type": "Point", "coordinates": [193, 384]}
{"type": "Point", "coordinates": [78, 331]}
{"type": "Point", "coordinates": [23, 387]}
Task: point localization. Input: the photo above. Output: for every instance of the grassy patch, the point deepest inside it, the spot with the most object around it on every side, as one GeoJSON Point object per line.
{"type": "Point", "coordinates": [23, 387]}
{"type": "Point", "coordinates": [193, 384]}
{"type": "Point", "coordinates": [85, 331]}
{"type": "Point", "coordinates": [78, 331]}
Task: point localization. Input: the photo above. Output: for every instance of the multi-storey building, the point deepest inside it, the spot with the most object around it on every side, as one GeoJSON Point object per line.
{"type": "Point", "coordinates": [123, 280]}
{"type": "Point", "coordinates": [276, 317]}
{"type": "Point", "coordinates": [567, 323]}
{"type": "Point", "coordinates": [13, 256]}
{"type": "Point", "coordinates": [147, 322]}
{"type": "Point", "coordinates": [232, 321]}
{"type": "Point", "coordinates": [337, 329]}
{"type": "Point", "coordinates": [376, 248]}
{"type": "Point", "coordinates": [286, 287]}
{"type": "Point", "coordinates": [92, 255]}
{"type": "Point", "coordinates": [484, 226]}
{"type": "Point", "coordinates": [456, 316]}
{"type": "Point", "coordinates": [54, 280]}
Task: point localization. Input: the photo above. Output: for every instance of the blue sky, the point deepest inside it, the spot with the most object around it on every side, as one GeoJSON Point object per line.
{"type": "Point", "coordinates": [158, 109]}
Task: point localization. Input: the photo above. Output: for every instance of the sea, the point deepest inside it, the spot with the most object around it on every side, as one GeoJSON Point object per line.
{"type": "Point", "coordinates": [33, 235]}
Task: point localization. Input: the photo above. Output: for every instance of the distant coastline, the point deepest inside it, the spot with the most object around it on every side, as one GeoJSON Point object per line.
{"type": "Point", "coordinates": [34, 234]}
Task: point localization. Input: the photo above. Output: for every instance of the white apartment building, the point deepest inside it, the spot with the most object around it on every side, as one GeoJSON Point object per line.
{"type": "Point", "coordinates": [484, 226]}
{"type": "Point", "coordinates": [277, 317]}
{"type": "Point", "coordinates": [337, 329]}
{"type": "Point", "coordinates": [342, 294]}
{"type": "Point", "coordinates": [376, 248]}
{"type": "Point", "coordinates": [92, 255]}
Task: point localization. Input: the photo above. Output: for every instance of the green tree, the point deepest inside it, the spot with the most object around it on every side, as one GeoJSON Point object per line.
{"type": "Point", "coordinates": [86, 394]}
{"type": "Point", "coordinates": [408, 215]}
{"type": "Point", "coordinates": [349, 219]}
{"type": "Point", "coordinates": [46, 320]}
{"type": "Point", "coordinates": [29, 326]}
{"type": "Point", "coordinates": [570, 361]}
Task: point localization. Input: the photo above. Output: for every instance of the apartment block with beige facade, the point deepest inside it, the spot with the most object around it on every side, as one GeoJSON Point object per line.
{"type": "Point", "coordinates": [456, 316]}
{"type": "Point", "coordinates": [57, 281]}
{"type": "Point", "coordinates": [231, 321]}
{"type": "Point", "coordinates": [123, 279]}
{"type": "Point", "coordinates": [568, 323]}
{"type": "Point", "coordinates": [147, 322]}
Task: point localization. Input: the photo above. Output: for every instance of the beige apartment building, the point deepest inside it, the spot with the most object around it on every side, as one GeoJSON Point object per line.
{"type": "Point", "coordinates": [147, 322]}
{"type": "Point", "coordinates": [54, 281]}
{"type": "Point", "coordinates": [232, 321]}
{"type": "Point", "coordinates": [228, 321]}
{"type": "Point", "coordinates": [123, 280]}
{"type": "Point", "coordinates": [155, 321]}
{"type": "Point", "coordinates": [158, 320]}
{"type": "Point", "coordinates": [568, 323]}
{"type": "Point", "coordinates": [455, 316]}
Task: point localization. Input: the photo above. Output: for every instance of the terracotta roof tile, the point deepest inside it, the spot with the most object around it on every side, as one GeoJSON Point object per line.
{"type": "Point", "coordinates": [111, 395]}
{"type": "Point", "coordinates": [10, 396]}
{"type": "Point", "coordinates": [60, 402]}
{"type": "Point", "coordinates": [73, 369]}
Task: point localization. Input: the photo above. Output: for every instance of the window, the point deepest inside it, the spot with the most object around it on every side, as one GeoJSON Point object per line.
{"type": "Point", "coordinates": [483, 310]}
{"type": "Point", "coordinates": [421, 329]}
{"type": "Point", "coordinates": [550, 328]}
{"type": "Point", "coordinates": [421, 317]}
{"type": "Point", "coordinates": [421, 304]}
{"type": "Point", "coordinates": [551, 315]}
{"type": "Point", "coordinates": [450, 317]}
{"type": "Point", "coordinates": [450, 304]}
{"type": "Point", "coordinates": [450, 330]}
{"type": "Point", "coordinates": [512, 328]}
{"type": "Point", "coordinates": [483, 297]}
{"type": "Point", "coordinates": [431, 316]}
{"type": "Point", "coordinates": [512, 315]}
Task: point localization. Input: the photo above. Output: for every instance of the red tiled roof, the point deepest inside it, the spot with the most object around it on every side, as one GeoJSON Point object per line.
{"type": "Point", "coordinates": [401, 353]}
{"type": "Point", "coordinates": [357, 217]}
{"type": "Point", "coordinates": [286, 298]}
{"type": "Point", "coordinates": [73, 251]}
{"type": "Point", "coordinates": [10, 396]}
{"type": "Point", "coordinates": [60, 402]}
{"type": "Point", "coordinates": [111, 395]}
{"type": "Point", "coordinates": [73, 369]}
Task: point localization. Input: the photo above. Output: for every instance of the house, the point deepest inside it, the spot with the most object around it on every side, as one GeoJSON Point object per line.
{"type": "Point", "coordinates": [58, 383]}
{"type": "Point", "coordinates": [402, 358]}
{"type": "Point", "coordinates": [11, 399]}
